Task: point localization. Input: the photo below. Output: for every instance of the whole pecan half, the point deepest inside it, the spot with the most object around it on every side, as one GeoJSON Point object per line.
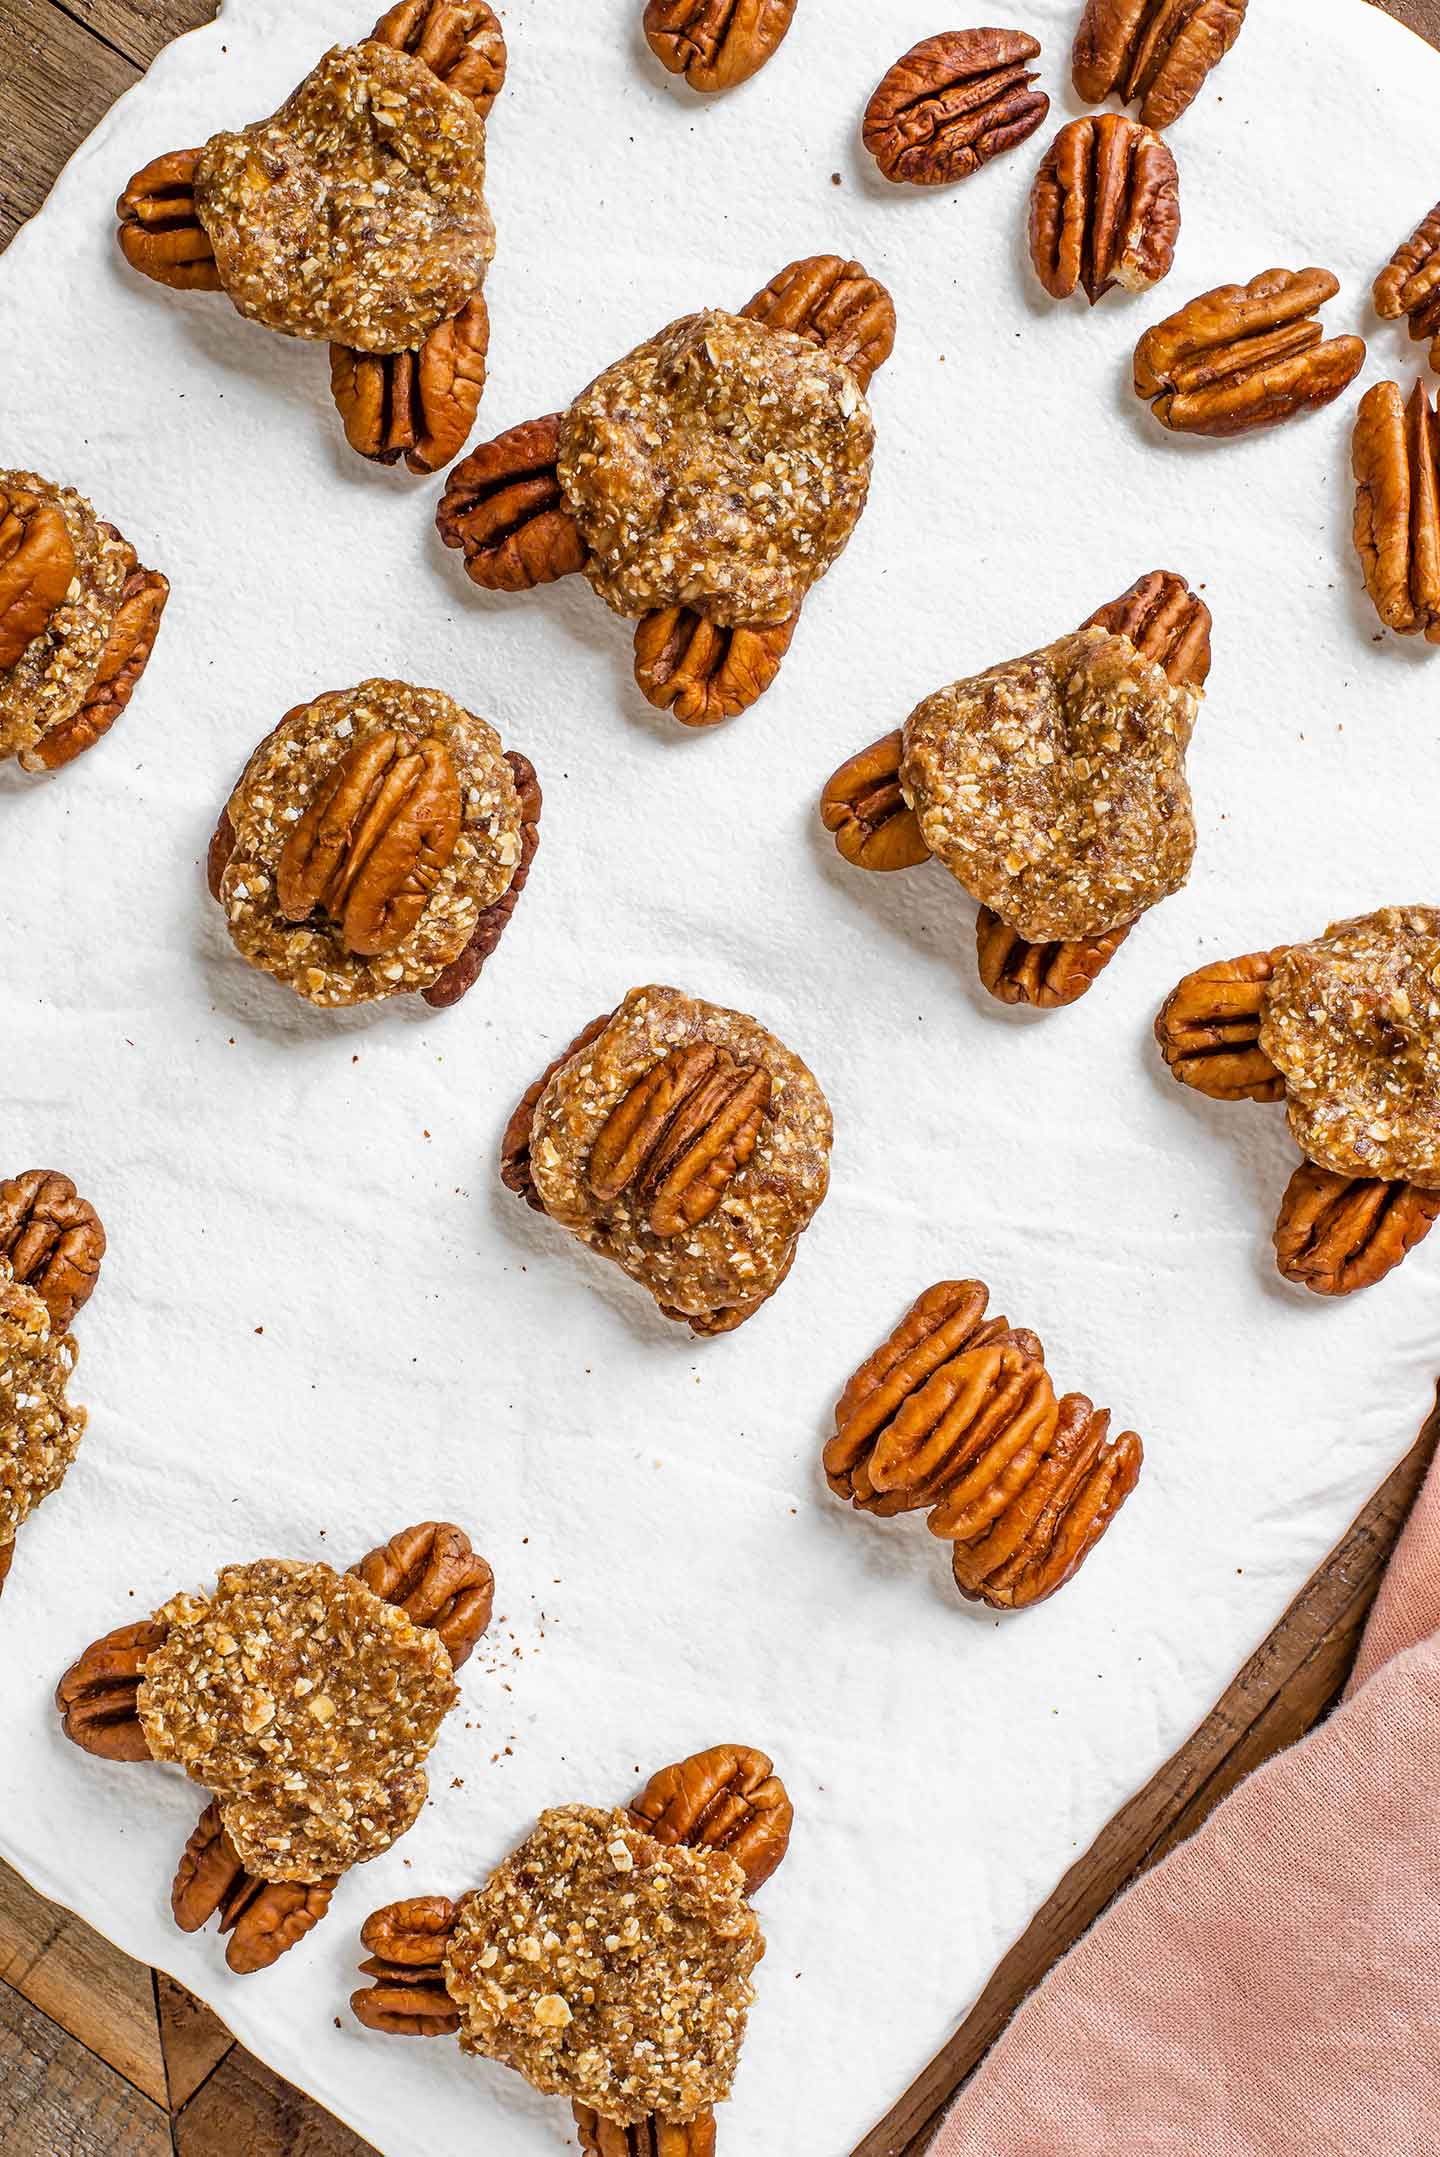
{"type": "Point", "coordinates": [462, 974]}
{"type": "Point", "coordinates": [416, 405]}
{"type": "Point", "coordinates": [123, 661]}
{"type": "Point", "coordinates": [1335, 1234]}
{"type": "Point", "coordinates": [406, 1944]}
{"type": "Point", "coordinates": [37, 563]}
{"type": "Point", "coordinates": [1032, 1544]}
{"type": "Point", "coordinates": [651, 2137]}
{"type": "Point", "coordinates": [515, 1145]}
{"type": "Point", "coordinates": [716, 44]}
{"type": "Point", "coordinates": [432, 1573]}
{"type": "Point", "coordinates": [680, 1136]}
{"type": "Point", "coordinates": [701, 673]}
{"type": "Point", "coordinates": [503, 507]}
{"type": "Point", "coordinates": [833, 303]}
{"type": "Point", "coordinates": [97, 1695]}
{"type": "Point", "coordinates": [461, 41]}
{"type": "Point", "coordinates": [1158, 51]}
{"type": "Point", "coordinates": [1047, 976]}
{"type": "Point", "coordinates": [727, 1798]}
{"type": "Point", "coordinates": [53, 1240]}
{"type": "Point", "coordinates": [1166, 621]}
{"type": "Point", "coordinates": [1209, 1029]}
{"type": "Point", "coordinates": [374, 842]}
{"type": "Point", "coordinates": [862, 804]}
{"type": "Point", "coordinates": [159, 232]}
{"type": "Point", "coordinates": [1246, 356]}
{"type": "Point", "coordinates": [264, 1918]}
{"type": "Point", "coordinates": [952, 103]}
{"type": "Point", "coordinates": [1104, 208]}
{"type": "Point", "coordinates": [1409, 284]}
{"type": "Point", "coordinates": [1394, 453]}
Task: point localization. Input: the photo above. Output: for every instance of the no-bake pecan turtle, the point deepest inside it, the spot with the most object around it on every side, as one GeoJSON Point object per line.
{"type": "Point", "coordinates": [638, 1910]}
{"type": "Point", "coordinates": [1154, 52]}
{"type": "Point", "coordinates": [375, 843]}
{"type": "Point", "coordinates": [716, 44]}
{"type": "Point", "coordinates": [952, 103]}
{"type": "Point", "coordinates": [955, 1415]}
{"type": "Point", "coordinates": [78, 618]}
{"type": "Point", "coordinates": [1104, 208]}
{"type": "Point", "coordinates": [40, 1431]}
{"type": "Point", "coordinates": [307, 1701]}
{"type": "Point", "coordinates": [1246, 356]}
{"type": "Point", "coordinates": [684, 1142]}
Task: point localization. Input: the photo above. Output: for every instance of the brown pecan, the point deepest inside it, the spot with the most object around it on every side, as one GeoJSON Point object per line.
{"type": "Point", "coordinates": [1335, 1234]}
{"type": "Point", "coordinates": [1045, 975]}
{"type": "Point", "coordinates": [835, 304]}
{"type": "Point", "coordinates": [515, 1145]}
{"type": "Point", "coordinates": [264, 1918]}
{"type": "Point", "coordinates": [1038, 1540]}
{"type": "Point", "coordinates": [123, 661]}
{"type": "Point", "coordinates": [1209, 1029]}
{"type": "Point", "coordinates": [53, 1240]}
{"type": "Point", "coordinates": [504, 508]}
{"type": "Point", "coordinates": [716, 44]}
{"type": "Point", "coordinates": [862, 804]}
{"type": "Point", "coordinates": [726, 1798]}
{"type": "Point", "coordinates": [652, 2137]}
{"type": "Point", "coordinates": [701, 673]}
{"type": "Point", "coordinates": [461, 41]}
{"type": "Point", "coordinates": [159, 232]}
{"type": "Point", "coordinates": [416, 405]}
{"type": "Point", "coordinates": [680, 1135]}
{"type": "Point", "coordinates": [406, 1959]}
{"type": "Point", "coordinates": [97, 1695]}
{"type": "Point", "coordinates": [1104, 208]}
{"type": "Point", "coordinates": [462, 974]}
{"type": "Point", "coordinates": [1158, 51]}
{"type": "Point", "coordinates": [374, 842]}
{"type": "Point", "coordinates": [1409, 284]}
{"type": "Point", "coordinates": [433, 1575]}
{"type": "Point", "coordinates": [1246, 356]}
{"type": "Point", "coordinates": [1165, 621]}
{"type": "Point", "coordinates": [7, 1559]}
{"type": "Point", "coordinates": [952, 103]}
{"type": "Point", "coordinates": [37, 563]}
{"type": "Point", "coordinates": [1394, 453]}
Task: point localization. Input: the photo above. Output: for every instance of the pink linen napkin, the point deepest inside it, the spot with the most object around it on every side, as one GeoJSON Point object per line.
{"type": "Point", "coordinates": [1272, 1989]}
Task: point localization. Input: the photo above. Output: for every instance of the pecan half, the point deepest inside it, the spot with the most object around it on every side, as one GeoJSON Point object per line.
{"type": "Point", "coordinates": [159, 232]}
{"type": "Point", "coordinates": [1045, 975]}
{"type": "Point", "coordinates": [716, 44]}
{"type": "Point", "coordinates": [727, 1798]}
{"type": "Point", "coordinates": [1409, 284]}
{"type": "Point", "coordinates": [416, 405]}
{"type": "Point", "coordinates": [1165, 621]}
{"type": "Point", "coordinates": [374, 842]}
{"type": "Point", "coordinates": [862, 804]}
{"type": "Point", "coordinates": [1246, 356]}
{"type": "Point", "coordinates": [503, 507]}
{"type": "Point", "coordinates": [1104, 208]}
{"type": "Point", "coordinates": [952, 103]}
{"type": "Point", "coordinates": [123, 661]}
{"type": "Point", "coordinates": [833, 303]}
{"type": "Point", "coordinates": [1209, 1029]}
{"type": "Point", "coordinates": [701, 673]}
{"type": "Point", "coordinates": [1158, 51]}
{"type": "Point", "coordinates": [1039, 1539]}
{"type": "Point", "coordinates": [461, 41]}
{"type": "Point", "coordinates": [37, 563]}
{"type": "Point", "coordinates": [264, 1918]}
{"type": "Point", "coordinates": [1394, 453]}
{"type": "Point", "coordinates": [1335, 1234]}
{"type": "Point", "coordinates": [97, 1695]}
{"type": "Point", "coordinates": [680, 1135]}
{"type": "Point", "coordinates": [515, 1145]}
{"type": "Point", "coordinates": [406, 1943]}
{"type": "Point", "coordinates": [652, 2137]}
{"type": "Point", "coordinates": [53, 1240]}
{"type": "Point", "coordinates": [433, 1575]}
{"type": "Point", "coordinates": [462, 974]}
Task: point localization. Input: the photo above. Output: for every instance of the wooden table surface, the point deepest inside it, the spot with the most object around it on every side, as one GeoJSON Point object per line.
{"type": "Point", "coordinates": [99, 2057]}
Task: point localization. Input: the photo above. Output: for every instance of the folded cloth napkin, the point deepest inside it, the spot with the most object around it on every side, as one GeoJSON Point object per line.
{"type": "Point", "coordinates": [1274, 1985]}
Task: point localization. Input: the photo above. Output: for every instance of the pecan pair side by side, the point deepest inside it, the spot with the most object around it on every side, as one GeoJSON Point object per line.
{"type": "Point", "coordinates": [1246, 356]}
{"type": "Point", "coordinates": [1104, 209]}
{"type": "Point", "coordinates": [1156, 53]}
{"type": "Point", "coordinates": [952, 103]}
{"type": "Point", "coordinates": [716, 44]}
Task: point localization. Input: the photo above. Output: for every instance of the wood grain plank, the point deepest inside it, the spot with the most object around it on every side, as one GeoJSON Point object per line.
{"type": "Point", "coordinates": [246, 2111]}
{"type": "Point", "coordinates": [136, 30]}
{"type": "Point", "coordinates": [56, 81]}
{"type": "Point", "coordinates": [94, 1992]}
{"type": "Point", "coordinates": [60, 2101]}
{"type": "Point", "coordinates": [194, 2040]}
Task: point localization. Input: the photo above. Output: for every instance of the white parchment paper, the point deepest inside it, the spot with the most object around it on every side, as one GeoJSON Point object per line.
{"type": "Point", "coordinates": [322, 1318]}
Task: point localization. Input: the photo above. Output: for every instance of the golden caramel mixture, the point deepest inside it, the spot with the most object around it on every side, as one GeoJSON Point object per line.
{"type": "Point", "coordinates": [39, 1431]}
{"type": "Point", "coordinates": [56, 671]}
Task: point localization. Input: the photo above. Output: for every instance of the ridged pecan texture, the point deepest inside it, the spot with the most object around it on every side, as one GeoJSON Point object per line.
{"type": "Point", "coordinates": [416, 405]}
{"type": "Point", "coordinates": [124, 659]}
{"type": "Point", "coordinates": [503, 508]}
{"type": "Point", "coordinates": [1335, 1233]}
{"type": "Point", "coordinates": [97, 1695]}
{"type": "Point", "coordinates": [159, 233]}
{"type": "Point", "coordinates": [263, 1918]}
{"type": "Point", "coordinates": [833, 303]}
{"type": "Point", "coordinates": [1209, 1029]}
{"type": "Point", "coordinates": [37, 563]}
{"type": "Point", "coordinates": [1104, 208]}
{"type": "Point", "coordinates": [371, 847]}
{"type": "Point", "coordinates": [53, 1240]}
{"type": "Point", "coordinates": [1246, 356]}
{"type": "Point", "coordinates": [727, 1798]}
{"type": "Point", "coordinates": [716, 44]}
{"type": "Point", "coordinates": [679, 1136]}
{"type": "Point", "coordinates": [436, 1577]}
{"type": "Point", "coordinates": [462, 974]}
{"type": "Point", "coordinates": [1166, 621]}
{"type": "Point", "coordinates": [405, 1946]}
{"type": "Point", "coordinates": [863, 806]}
{"type": "Point", "coordinates": [1394, 453]}
{"type": "Point", "coordinates": [1409, 284]}
{"type": "Point", "coordinates": [952, 103]}
{"type": "Point", "coordinates": [461, 41]}
{"type": "Point", "coordinates": [1156, 51]}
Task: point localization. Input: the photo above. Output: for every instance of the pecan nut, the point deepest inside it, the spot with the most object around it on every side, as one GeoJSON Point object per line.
{"type": "Point", "coordinates": [1165, 621]}
{"type": "Point", "coordinates": [416, 405]}
{"type": "Point", "coordinates": [462, 974]}
{"type": "Point", "coordinates": [97, 1695]}
{"type": "Point", "coordinates": [159, 232]}
{"type": "Point", "coordinates": [874, 826]}
{"type": "Point", "coordinates": [374, 842]}
{"type": "Point", "coordinates": [680, 1135]}
{"type": "Point", "coordinates": [1409, 284]}
{"type": "Point", "coordinates": [503, 507]}
{"type": "Point", "coordinates": [1158, 51]}
{"type": "Point", "coordinates": [1209, 1029]}
{"type": "Point", "coordinates": [406, 1943]}
{"type": "Point", "coordinates": [124, 659]}
{"type": "Point", "coordinates": [53, 1240]}
{"type": "Point", "coordinates": [835, 304]}
{"type": "Point", "coordinates": [716, 44]}
{"type": "Point", "coordinates": [1038, 1541]}
{"type": "Point", "coordinates": [515, 1145]}
{"type": "Point", "coordinates": [726, 1798]}
{"type": "Point", "coordinates": [433, 1575]}
{"type": "Point", "coordinates": [1104, 208]}
{"type": "Point", "coordinates": [37, 564]}
{"type": "Point", "coordinates": [650, 2137]}
{"type": "Point", "coordinates": [701, 673]}
{"type": "Point", "coordinates": [1335, 1233]}
{"type": "Point", "coordinates": [1047, 976]}
{"type": "Point", "coordinates": [264, 1918]}
{"type": "Point", "coordinates": [461, 41]}
{"type": "Point", "coordinates": [952, 103]}
{"type": "Point", "coordinates": [1246, 356]}
{"type": "Point", "coordinates": [1394, 453]}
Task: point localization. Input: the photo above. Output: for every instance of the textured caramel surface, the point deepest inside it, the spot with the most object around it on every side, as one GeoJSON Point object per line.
{"type": "Point", "coordinates": [739, 1253]}
{"type": "Point", "coordinates": [276, 789]}
{"type": "Point", "coordinates": [722, 465]}
{"type": "Point", "coordinates": [607, 1968]}
{"type": "Point", "coordinates": [1353, 1023]}
{"type": "Point", "coordinates": [39, 1430]}
{"type": "Point", "coordinates": [1053, 787]}
{"type": "Point", "coordinates": [306, 1705]}
{"type": "Point", "coordinates": [356, 213]}
{"type": "Point", "coordinates": [57, 669]}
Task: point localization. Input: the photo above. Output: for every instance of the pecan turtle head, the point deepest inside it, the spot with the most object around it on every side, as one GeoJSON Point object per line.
{"type": "Point", "coordinates": [1337, 1233]}
{"type": "Point", "coordinates": [835, 304]}
{"type": "Point", "coordinates": [417, 405]}
{"type": "Point", "coordinates": [406, 1943]}
{"type": "Point", "coordinates": [1046, 976]}
{"type": "Point", "coordinates": [504, 509]}
{"type": "Point", "coordinates": [461, 41]}
{"type": "Point", "coordinates": [374, 842]}
{"type": "Point", "coordinates": [1208, 1029]}
{"type": "Point", "coordinates": [725, 1798]}
{"type": "Point", "coordinates": [37, 566]}
{"type": "Point", "coordinates": [433, 1575]}
{"type": "Point", "coordinates": [874, 825]}
{"type": "Point", "coordinates": [650, 2137]}
{"type": "Point", "coordinates": [1165, 621]}
{"type": "Point", "coordinates": [1104, 209]}
{"type": "Point", "coordinates": [679, 1135]}
{"type": "Point", "coordinates": [716, 44]}
{"type": "Point", "coordinates": [952, 103]}
{"type": "Point", "coordinates": [159, 231]}
{"type": "Point", "coordinates": [97, 1697]}
{"type": "Point", "coordinates": [53, 1240]}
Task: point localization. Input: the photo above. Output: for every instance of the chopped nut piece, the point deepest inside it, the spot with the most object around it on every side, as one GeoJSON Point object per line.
{"type": "Point", "coordinates": [1339, 1233]}
{"type": "Point", "coordinates": [1104, 209]}
{"type": "Point", "coordinates": [1396, 460]}
{"type": "Point", "coordinates": [1158, 51]}
{"type": "Point", "coordinates": [416, 405]}
{"type": "Point", "coordinates": [53, 1240]}
{"type": "Point", "coordinates": [1246, 356]}
{"type": "Point", "coordinates": [952, 103]}
{"type": "Point", "coordinates": [40, 1431]}
{"type": "Point", "coordinates": [716, 44]}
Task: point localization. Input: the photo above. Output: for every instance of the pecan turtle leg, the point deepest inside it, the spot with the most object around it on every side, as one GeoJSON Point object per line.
{"type": "Point", "coordinates": [98, 1693]}
{"type": "Point", "coordinates": [158, 230]}
{"type": "Point", "coordinates": [462, 973]}
{"type": "Point", "coordinates": [504, 509]}
{"type": "Point", "coordinates": [264, 1918]}
{"type": "Point", "coordinates": [863, 806]}
{"type": "Point", "coordinates": [1335, 1233]}
{"type": "Point", "coordinates": [1209, 1029]}
{"type": "Point", "coordinates": [417, 405]}
{"type": "Point", "coordinates": [461, 41]}
{"type": "Point", "coordinates": [515, 1145]}
{"type": "Point", "coordinates": [835, 304]}
{"type": "Point", "coordinates": [406, 1943]}
{"type": "Point", "coordinates": [123, 661]}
